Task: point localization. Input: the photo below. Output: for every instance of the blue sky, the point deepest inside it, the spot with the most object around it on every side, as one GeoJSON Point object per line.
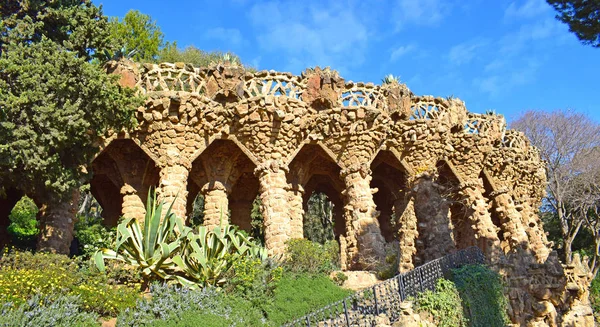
{"type": "Point", "coordinates": [509, 56]}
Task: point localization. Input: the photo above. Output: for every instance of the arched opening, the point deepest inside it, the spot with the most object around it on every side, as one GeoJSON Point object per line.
{"type": "Point", "coordinates": [122, 175]}
{"type": "Point", "coordinates": [222, 187]}
{"type": "Point", "coordinates": [389, 177]}
{"type": "Point", "coordinates": [462, 232]}
{"type": "Point", "coordinates": [317, 174]}
{"type": "Point", "coordinates": [323, 218]}
{"type": "Point", "coordinates": [18, 220]}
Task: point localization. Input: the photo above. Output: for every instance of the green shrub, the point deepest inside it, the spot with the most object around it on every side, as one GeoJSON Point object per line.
{"type": "Point", "coordinates": [93, 235]}
{"type": "Point", "coordinates": [389, 269]}
{"type": "Point", "coordinates": [253, 279]}
{"type": "Point", "coordinates": [304, 256]}
{"type": "Point", "coordinates": [206, 256]}
{"type": "Point", "coordinates": [444, 305]}
{"type": "Point", "coordinates": [482, 293]}
{"type": "Point", "coordinates": [178, 306]}
{"type": "Point", "coordinates": [23, 226]}
{"type": "Point", "coordinates": [299, 294]}
{"type": "Point", "coordinates": [61, 311]}
{"type": "Point", "coordinates": [23, 275]}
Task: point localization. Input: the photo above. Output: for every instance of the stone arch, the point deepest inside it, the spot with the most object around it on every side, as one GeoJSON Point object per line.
{"type": "Point", "coordinates": [223, 171]}
{"type": "Point", "coordinates": [122, 175]}
{"type": "Point", "coordinates": [313, 170]}
{"type": "Point", "coordinates": [390, 178]}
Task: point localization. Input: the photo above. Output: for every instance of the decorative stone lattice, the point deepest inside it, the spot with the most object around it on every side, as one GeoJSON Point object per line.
{"type": "Point", "coordinates": [452, 179]}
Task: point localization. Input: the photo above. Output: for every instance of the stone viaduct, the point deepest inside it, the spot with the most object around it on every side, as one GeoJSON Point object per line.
{"type": "Point", "coordinates": [397, 166]}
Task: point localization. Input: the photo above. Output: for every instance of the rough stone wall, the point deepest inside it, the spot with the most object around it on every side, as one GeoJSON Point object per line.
{"type": "Point", "coordinates": [465, 179]}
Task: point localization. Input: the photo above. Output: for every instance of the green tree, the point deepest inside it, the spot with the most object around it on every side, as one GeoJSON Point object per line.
{"type": "Point", "coordinates": [137, 32]}
{"type": "Point", "coordinates": [55, 103]}
{"type": "Point", "coordinates": [583, 18]}
{"type": "Point", "coordinates": [23, 226]}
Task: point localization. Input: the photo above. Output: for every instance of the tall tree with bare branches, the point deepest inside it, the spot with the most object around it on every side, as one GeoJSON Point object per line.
{"type": "Point", "coordinates": [567, 142]}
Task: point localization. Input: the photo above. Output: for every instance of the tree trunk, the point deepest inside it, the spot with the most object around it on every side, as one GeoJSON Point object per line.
{"type": "Point", "coordinates": [57, 222]}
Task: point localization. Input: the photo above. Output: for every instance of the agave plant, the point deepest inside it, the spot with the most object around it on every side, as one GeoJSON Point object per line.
{"type": "Point", "coordinates": [206, 256]}
{"type": "Point", "coordinates": [389, 79]}
{"type": "Point", "coordinates": [150, 247]}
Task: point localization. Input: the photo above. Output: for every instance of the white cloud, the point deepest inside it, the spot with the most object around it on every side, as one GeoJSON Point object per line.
{"type": "Point", "coordinates": [528, 33]}
{"type": "Point", "coordinates": [230, 36]}
{"type": "Point", "coordinates": [419, 12]}
{"type": "Point", "coordinates": [310, 34]}
{"type": "Point", "coordinates": [528, 9]}
{"type": "Point", "coordinates": [518, 74]}
{"type": "Point", "coordinates": [465, 52]}
{"type": "Point", "coordinates": [401, 51]}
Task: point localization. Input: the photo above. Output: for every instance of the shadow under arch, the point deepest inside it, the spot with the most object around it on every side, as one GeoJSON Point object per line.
{"type": "Point", "coordinates": [122, 169]}
{"type": "Point", "coordinates": [223, 176]}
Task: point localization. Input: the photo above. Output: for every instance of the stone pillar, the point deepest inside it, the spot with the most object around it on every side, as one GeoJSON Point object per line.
{"type": "Point", "coordinates": [481, 221]}
{"type": "Point", "coordinates": [407, 234]}
{"type": "Point", "coordinates": [512, 224]}
{"type": "Point", "coordinates": [216, 205]}
{"type": "Point", "coordinates": [133, 206]}
{"type": "Point", "coordinates": [533, 227]}
{"type": "Point", "coordinates": [364, 242]}
{"type": "Point", "coordinates": [241, 213]}
{"type": "Point", "coordinates": [295, 200]}
{"type": "Point", "coordinates": [275, 208]}
{"type": "Point", "coordinates": [432, 211]}
{"type": "Point", "coordinates": [173, 188]}
{"type": "Point", "coordinates": [57, 222]}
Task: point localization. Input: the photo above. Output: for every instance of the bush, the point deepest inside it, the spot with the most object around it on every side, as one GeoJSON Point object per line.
{"type": "Point", "coordinates": [24, 275]}
{"type": "Point", "coordinates": [481, 291]}
{"type": "Point", "coordinates": [304, 256]}
{"type": "Point", "coordinates": [253, 279]}
{"type": "Point", "coordinates": [23, 226]}
{"type": "Point", "coordinates": [299, 294]}
{"type": "Point", "coordinates": [389, 269]}
{"type": "Point", "coordinates": [444, 305]}
{"type": "Point", "coordinates": [43, 311]}
{"type": "Point", "coordinates": [93, 235]}
{"type": "Point", "coordinates": [177, 306]}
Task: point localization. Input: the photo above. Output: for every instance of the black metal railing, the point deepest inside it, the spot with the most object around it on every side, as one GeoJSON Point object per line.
{"type": "Point", "coordinates": [362, 307]}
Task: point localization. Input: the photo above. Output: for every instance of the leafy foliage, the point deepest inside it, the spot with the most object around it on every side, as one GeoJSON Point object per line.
{"type": "Point", "coordinates": [583, 18]}
{"type": "Point", "coordinates": [176, 306]}
{"type": "Point", "coordinates": [444, 304]}
{"type": "Point", "coordinates": [194, 56]}
{"type": "Point", "coordinates": [253, 279]}
{"type": "Point", "coordinates": [304, 256]}
{"type": "Point", "coordinates": [207, 255]}
{"type": "Point", "coordinates": [595, 297]}
{"type": "Point", "coordinates": [137, 32]}
{"type": "Point", "coordinates": [318, 220]}
{"type": "Point", "coordinates": [482, 295]}
{"type": "Point", "coordinates": [150, 247]}
{"type": "Point", "coordinates": [23, 226]}
{"type": "Point", "coordinates": [52, 98]}
{"type": "Point", "coordinates": [62, 311]}
{"type": "Point", "coordinates": [299, 294]}
{"type": "Point", "coordinates": [24, 275]}
{"type": "Point", "coordinates": [93, 235]}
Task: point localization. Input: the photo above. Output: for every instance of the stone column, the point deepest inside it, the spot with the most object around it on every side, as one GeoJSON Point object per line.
{"type": "Point", "coordinates": [216, 205]}
{"type": "Point", "coordinates": [481, 221]}
{"type": "Point", "coordinates": [407, 233]}
{"type": "Point", "coordinates": [57, 222]}
{"type": "Point", "coordinates": [432, 210]}
{"type": "Point", "coordinates": [364, 242]}
{"type": "Point", "coordinates": [533, 227]}
{"type": "Point", "coordinates": [275, 208]}
{"type": "Point", "coordinates": [295, 200]}
{"type": "Point", "coordinates": [173, 188]}
{"type": "Point", "coordinates": [133, 206]}
{"type": "Point", "coordinates": [512, 224]}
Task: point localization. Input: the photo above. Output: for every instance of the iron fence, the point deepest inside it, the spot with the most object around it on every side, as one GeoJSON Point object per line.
{"type": "Point", "coordinates": [362, 307]}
